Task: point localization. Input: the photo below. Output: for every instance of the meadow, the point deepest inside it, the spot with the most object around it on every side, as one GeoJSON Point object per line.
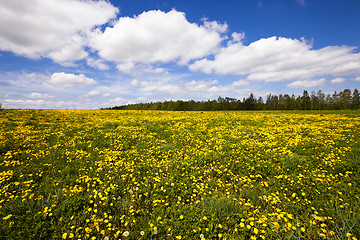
{"type": "Point", "coordinates": [92, 174]}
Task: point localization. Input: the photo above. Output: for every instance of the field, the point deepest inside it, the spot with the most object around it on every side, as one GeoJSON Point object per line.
{"type": "Point", "coordinates": [67, 174]}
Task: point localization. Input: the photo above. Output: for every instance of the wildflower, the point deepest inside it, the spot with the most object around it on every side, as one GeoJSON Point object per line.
{"type": "Point", "coordinates": [204, 218]}
{"type": "Point", "coordinates": [220, 235]}
{"type": "Point", "coordinates": [181, 217]}
{"type": "Point", "coordinates": [126, 233]}
{"type": "Point", "coordinates": [142, 233]}
{"type": "Point", "coordinates": [178, 237]}
{"type": "Point", "coordinates": [7, 217]}
{"type": "Point", "coordinates": [64, 236]}
{"type": "Point", "coordinates": [172, 184]}
{"type": "Point", "coordinates": [202, 236]}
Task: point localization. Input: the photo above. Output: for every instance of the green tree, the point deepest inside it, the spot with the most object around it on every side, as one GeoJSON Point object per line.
{"type": "Point", "coordinates": [321, 98]}
{"type": "Point", "coordinates": [345, 99]}
{"type": "Point", "coordinates": [355, 103]}
{"type": "Point", "coordinates": [305, 101]}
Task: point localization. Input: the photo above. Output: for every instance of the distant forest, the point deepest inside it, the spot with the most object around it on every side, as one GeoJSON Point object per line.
{"type": "Point", "coordinates": [313, 101]}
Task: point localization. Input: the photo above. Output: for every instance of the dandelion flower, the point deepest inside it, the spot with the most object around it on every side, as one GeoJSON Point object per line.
{"type": "Point", "coordinates": [126, 233]}
{"type": "Point", "coordinates": [142, 233]}
{"type": "Point", "coordinates": [7, 217]}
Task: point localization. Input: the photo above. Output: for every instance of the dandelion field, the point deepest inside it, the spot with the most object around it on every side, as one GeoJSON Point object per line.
{"type": "Point", "coordinates": [93, 174]}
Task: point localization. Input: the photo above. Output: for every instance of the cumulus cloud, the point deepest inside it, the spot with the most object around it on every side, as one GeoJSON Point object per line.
{"type": "Point", "coordinates": [37, 95]}
{"type": "Point", "coordinates": [307, 83]}
{"type": "Point", "coordinates": [97, 63]}
{"type": "Point", "coordinates": [158, 86]}
{"type": "Point", "coordinates": [200, 86]}
{"type": "Point", "coordinates": [156, 36]}
{"type": "Point", "coordinates": [338, 80]}
{"type": "Point", "coordinates": [56, 29]}
{"type": "Point", "coordinates": [281, 59]}
{"type": "Point", "coordinates": [69, 79]}
{"type": "Point", "coordinates": [357, 79]}
{"type": "Point", "coordinates": [92, 93]}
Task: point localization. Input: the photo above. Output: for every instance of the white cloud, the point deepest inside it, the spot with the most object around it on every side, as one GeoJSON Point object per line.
{"type": "Point", "coordinates": [97, 63]}
{"type": "Point", "coordinates": [156, 36]}
{"type": "Point", "coordinates": [236, 37]}
{"type": "Point", "coordinates": [57, 29]}
{"type": "Point", "coordinates": [307, 83]}
{"type": "Point", "coordinates": [281, 59]}
{"type": "Point", "coordinates": [213, 26]}
{"type": "Point", "coordinates": [158, 87]}
{"type": "Point", "coordinates": [39, 95]}
{"type": "Point", "coordinates": [357, 79]}
{"type": "Point", "coordinates": [199, 86]}
{"type": "Point", "coordinates": [241, 83]}
{"type": "Point", "coordinates": [69, 79]}
{"type": "Point", "coordinates": [338, 80]}
{"type": "Point", "coordinates": [127, 67]}
{"type": "Point", "coordinates": [92, 93]}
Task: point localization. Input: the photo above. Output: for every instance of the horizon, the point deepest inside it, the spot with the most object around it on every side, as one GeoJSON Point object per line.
{"type": "Point", "coordinates": [71, 54]}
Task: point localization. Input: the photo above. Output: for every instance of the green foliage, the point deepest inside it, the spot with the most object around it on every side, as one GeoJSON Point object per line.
{"type": "Point", "coordinates": [314, 101]}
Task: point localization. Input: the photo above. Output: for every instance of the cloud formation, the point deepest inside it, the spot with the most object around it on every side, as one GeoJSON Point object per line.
{"type": "Point", "coordinates": [157, 36]}
{"type": "Point", "coordinates": [69, 79]}
{"type": "Point", "coordinates": [37, 95]}
{"type": "Point", "coordinates": [56, 29]}
{"type": "Point", "coordinates": [307, 83]}
{"type": "Point", "coordinates": [277, 59]}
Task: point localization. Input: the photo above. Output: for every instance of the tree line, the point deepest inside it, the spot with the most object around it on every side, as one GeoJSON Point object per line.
{"type": "Point", "coordinates": [313, 101]}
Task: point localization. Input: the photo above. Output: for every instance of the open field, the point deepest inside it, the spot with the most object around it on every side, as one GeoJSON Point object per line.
{"type": "Point", "coordinates": [179, 175]}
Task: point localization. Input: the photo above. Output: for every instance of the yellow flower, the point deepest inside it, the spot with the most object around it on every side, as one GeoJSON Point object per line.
{"type": "Point", "coordinates": [7, 217]}
{"type": "Point", "coordinates": [178, 237]}
{"type": "Point", "coordinates": [204, 218]}
{"type": "Point", "coordinates": [71, 235]}
{"type": "Point", "coordinates": [64, 236]}
{"type": "Point", "coordinates": [220, 235]}
{"type": "Point", "coordinates": [256, 231]}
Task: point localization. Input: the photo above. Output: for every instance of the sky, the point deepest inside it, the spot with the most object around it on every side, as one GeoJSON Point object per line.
{"type": "Point", "coordinates": [90, 54]}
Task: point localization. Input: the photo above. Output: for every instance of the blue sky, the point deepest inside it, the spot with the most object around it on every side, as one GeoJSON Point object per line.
{"type": "Point", "coordinates": [90, 54]}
